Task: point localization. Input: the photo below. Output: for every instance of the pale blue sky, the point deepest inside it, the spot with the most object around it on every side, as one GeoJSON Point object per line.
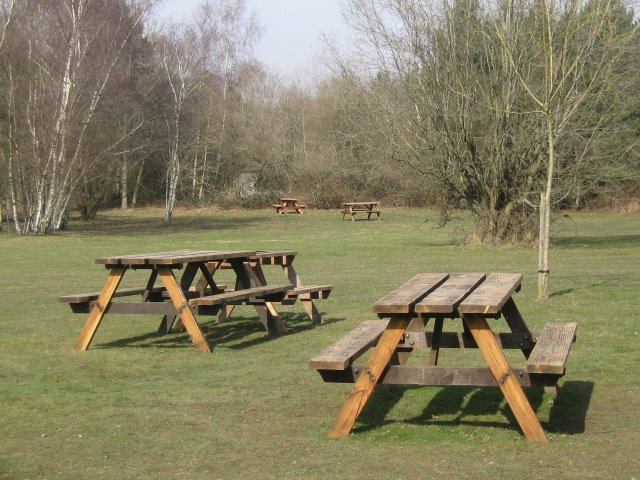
{"type": "Point", "coordinates": [292, 29]}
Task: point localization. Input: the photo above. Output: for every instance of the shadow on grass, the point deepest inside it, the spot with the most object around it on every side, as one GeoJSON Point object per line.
{"type": "Point", "coordinates": [567, 291]}
{"type": "Point", "coordinates": [611, 241]}
{"type": "Point", "coordinates": [567, 415]}
{"type": "Point", "coordinates": [237, 333]}
{"type": "Point", "coordinates": [136, 226]}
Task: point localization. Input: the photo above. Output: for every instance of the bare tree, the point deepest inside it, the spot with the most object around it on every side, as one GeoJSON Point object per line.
{"type": "Point", "coordinates": [63, 54]}
{"type": "Point", "coordinates": [579, 44]}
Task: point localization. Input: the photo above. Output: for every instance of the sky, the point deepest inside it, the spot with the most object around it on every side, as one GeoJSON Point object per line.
{"type": "Point", "coordinates": [290, 41]}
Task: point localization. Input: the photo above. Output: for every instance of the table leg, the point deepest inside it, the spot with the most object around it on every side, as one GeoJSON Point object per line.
{"type": "Point", "coordinates": [435, 341]}
{"type": "Point", "coordinates": [99, 308]}
{"type": "Point", "coordinates": [182, 307]}
{"type": "Point", "coordinates": [367, 380]}
{"type": "Point", "coordinates": [505, 377]}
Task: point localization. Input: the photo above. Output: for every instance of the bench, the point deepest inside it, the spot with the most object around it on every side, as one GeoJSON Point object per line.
{"type": "Point", "coordinates": [545, 365]}
{"type": "Point", "coordinates": [341, 354]}
{"type": "Point", "coordinates": [307, 292]}
{"type": "Point", "coordinates": [272, 293]}
{"type": "Point", "coordinates": [551, 351]}
{"type": "Point", "coordinates": [80, 302]}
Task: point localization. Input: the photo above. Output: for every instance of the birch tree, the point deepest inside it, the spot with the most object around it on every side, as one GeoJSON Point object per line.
{"type": "Point", "coordinates": [63, 53]}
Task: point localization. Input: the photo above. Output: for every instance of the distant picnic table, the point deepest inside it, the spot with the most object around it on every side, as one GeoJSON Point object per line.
{"type": "Point", "coordinates": [478, 300]}
{"type": "Point", "coordinates": [289, 204]}
{"type": "Point", "coordinates": [369, 208]}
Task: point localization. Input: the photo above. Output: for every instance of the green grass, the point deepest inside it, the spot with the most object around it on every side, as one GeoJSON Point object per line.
{"type": "Point", "coordinates": [139, 405]}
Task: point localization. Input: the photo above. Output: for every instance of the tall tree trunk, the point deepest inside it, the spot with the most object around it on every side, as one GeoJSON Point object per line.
{"type": "Point", "coordinates": [124, 181]}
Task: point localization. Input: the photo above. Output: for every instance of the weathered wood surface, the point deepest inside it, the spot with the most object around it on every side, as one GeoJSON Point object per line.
{"type": "Point", "coordinates": [550, 353]}
{"type": "Point", "coordinates": [184, 312]}
{"type": "Point", "coordinates": [506, 340]}
{"type": "Point", "coordinates": [312, 291]}
{"type": "Point", "coordinates": [340, 354]}
{"type": "Point", "coordinates": [98, 310]}
{"type": "Point", "coordinates": [173, 258]}
{"type": "Point", "coordinates": [243, 294]}
{"type": "Point", "coordinates": [505, 377]}
{"type": "Point", "coordinates": [123, 292]}
{"type": "Point", "coordinates": [403, 299]}
{"type": "Point", "coordinates": [492, 294]}
{"type": "Point", "coordinates": [364, 385]}
{"type": "Point", "coordinates": [265, 257]}
{"type": "Point", "coordinates": [447, 297]}
{"type": "Point", "coordinates": [438, 376]}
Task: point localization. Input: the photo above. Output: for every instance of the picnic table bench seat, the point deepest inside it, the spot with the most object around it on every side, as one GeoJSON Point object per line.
{"type": "Point", "coordinates": [551, 351]}
{"type": "Point", "coordinates": [79, 302]}
{"type": "Point", "coordinates": [341, 354]}
{"type": "Point", "coordinates": [266, 292]}
{"type": "Point", "coordinates": [313, 292]}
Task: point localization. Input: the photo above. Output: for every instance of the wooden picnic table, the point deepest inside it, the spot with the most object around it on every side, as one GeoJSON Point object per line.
{"type": "Point", "coordinates": [306, 294]}
{"type": "Point", "coordinates": [369, 208]}
{"type": "Point", "coordinates": [173, 299]}
{"type": "Point", "coordinates": [291, 204]}
{"type": "Point", "coordinates": [477, 299]}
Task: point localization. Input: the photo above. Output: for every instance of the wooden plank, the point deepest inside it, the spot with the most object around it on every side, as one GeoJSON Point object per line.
{"type": "Point", "coordinates": [447, 297]}
{"type": "Point", "coordinates": [173, 258]}
{"type": "Point", "coordinates": [185, 313]}
{"type": "Point", "coordinates": [368, 379]}
{"type": "Point", "coordinates": [490, 296]}
{"type": "Point", "coordinates": [551, 351]}
{"type": "Point", "coordinates": [403, 299]}
{"type": "Point", "coordinates": [242, 294]}
{"type": "Point", "coordinates": [323, 291]}
{"type": "Point", "coordinates": [123, 292]}
{"type": "Point", "coordinates": [505, 377]}
{"type": "Point", "coordinates": [462, 340]}
{"type": "Point", "coordinates": [438, 376]}
{"type": "Point", "coordinates": [340, 354]}
{"type": "Point", "coordinates": [97, 312]}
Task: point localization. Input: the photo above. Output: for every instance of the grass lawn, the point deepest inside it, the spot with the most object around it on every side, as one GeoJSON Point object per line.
{"type": "Point", "coordinates": [140, 405]}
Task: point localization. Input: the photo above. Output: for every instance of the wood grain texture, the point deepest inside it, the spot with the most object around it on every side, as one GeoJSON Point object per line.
{"type": "Point", "coordinates": [340, 354]}
{"type": "Point", "coordinates": [550, 353]}
{"type": "Point", "coordinates": [447, 297]}
{"type": "Point", "coordinates": [174, 258]}
{"type": "Point", "coordinates": [242, 294]}
{"type": "Point", "coordinates": [505, 377]}
{"type": "Point", "coordinates": [99, 308]}
{"type": "Point", "coordinates": [367, 380]}
{"type": "Point", "coordinates": [403, 299]}
{"type": "Point", "coordinates": [492, 294]}
{"type": "Point", "coordinates": [186, 315]}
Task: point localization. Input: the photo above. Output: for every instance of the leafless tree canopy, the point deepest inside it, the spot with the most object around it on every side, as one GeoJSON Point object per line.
{"type": "Point", "coordinates": [508, 109]}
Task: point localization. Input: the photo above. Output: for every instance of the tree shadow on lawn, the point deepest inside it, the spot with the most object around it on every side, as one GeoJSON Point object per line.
{"type": "Point", "coordinates": [567, 414]}
{"type": "Point", "coordinates": [112, 225]}
{"type": "Point", "coordinates": [611, 241]}
{"type": "Point", "coordinates": [567, 291]}
{"type": "Point", "coordinates": [232, 334]}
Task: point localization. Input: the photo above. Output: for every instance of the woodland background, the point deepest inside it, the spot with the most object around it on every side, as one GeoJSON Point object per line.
{"type": "Point", "coordinates": [485, 106]}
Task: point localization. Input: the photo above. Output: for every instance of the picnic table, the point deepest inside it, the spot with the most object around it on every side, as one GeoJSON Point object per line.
{"type": "Point", "coordinates": [290, 204]}
{"type": "Point", "coordinates": [479, 300]}
{"type": "Point", "coordinates": [306, 294]}
{"type": "Point", "coordinates": [369, 208]}
{"type": "Point", "coordinates": [173, 299]}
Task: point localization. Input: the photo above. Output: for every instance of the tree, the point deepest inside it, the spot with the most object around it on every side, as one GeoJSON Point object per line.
{"type": "Point", "coordinates": [61, 59]}
{"type": "Point", "coordinates": [579, 45]}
